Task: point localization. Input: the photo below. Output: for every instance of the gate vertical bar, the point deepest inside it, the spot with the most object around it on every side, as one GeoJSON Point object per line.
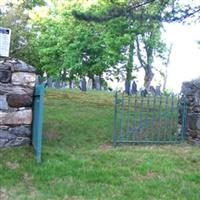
{"type": "Point", "coordinates": [134, 121]}
{"type": "Point", "coordinates": [128, 119]}
{"type": "Point", "coordinates": [159, 119]}
{"type": "Point", "coordinates": [165, 129]}
{"type": "Point", "coordinates": [147, 123]}
{"type": "Point", "coordinates": [115, 120]}
{"type": "Point", "coordinates": [122, 119]}
{"type": "Point", "coordinates": [139, 135]}
{"type": "Point", "coordinates": [154, 117]}
{"type": "Point", "coordinates": [172, 108]}
{"type": "Point", "coordinates": [38, 108]}
{"type": "Point", "coordinates": [184, 118]}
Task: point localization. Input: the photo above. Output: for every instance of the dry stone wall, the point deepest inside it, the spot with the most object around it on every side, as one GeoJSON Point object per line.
{"type": "Point", "coordinates": [192, 92]}
{"type": "Point", "coordinates": [17, 82]}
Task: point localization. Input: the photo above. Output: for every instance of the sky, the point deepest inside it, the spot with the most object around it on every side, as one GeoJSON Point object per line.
{"type": "Point", "coordinates": [185, 57]}
{"type": "Point", "coordinates": [184, 60]}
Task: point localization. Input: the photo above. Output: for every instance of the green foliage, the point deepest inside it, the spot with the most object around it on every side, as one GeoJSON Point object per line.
{"type": "Point", "coordinates": [47, 35]}
{"type": "Point", "coordinates": [51, 39]}
{"type": "Point", "coordinates": [15, 15]}
{"type": "Point", "coordinates": [83, 49]}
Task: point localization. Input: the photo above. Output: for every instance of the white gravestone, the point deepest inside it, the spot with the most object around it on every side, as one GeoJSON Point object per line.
{"type": "Point", "coordinates": [5, 34]}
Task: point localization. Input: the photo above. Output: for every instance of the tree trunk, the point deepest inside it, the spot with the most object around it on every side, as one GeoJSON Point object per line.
{"type": "Point", "coordinates": [49, 82]}
{"type": "Point", "coordinates": [166, 70]}
{"type": "Point", "coordinates": [93, 82]}
{"type": "Point", "coordinates": [127, 86]}
{"type": "Point", "coordinates": [63, 77]}
{"type": "Point", "coordinates": [148, 78]}
{"type": "Point", "coordinates": [129, 69]}
{"type": "Point", "coordinates": [91, 77]}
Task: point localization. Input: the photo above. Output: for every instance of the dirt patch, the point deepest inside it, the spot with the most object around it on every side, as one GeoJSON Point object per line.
{"type": "Point", "coordinates": [58, 96]}
{"type": "Point", "coordinates": [73, 198]}
{"type": "Point", "coordinates": [51, 134]}
{"type": "Point", "coordinates": [12, 165]}
{"type": "Point", "coordinates": [150, 174]}
{"type": "Point", "coordinates": [4, 195]}
{"type": "Point", "coordinates": [105, 146]}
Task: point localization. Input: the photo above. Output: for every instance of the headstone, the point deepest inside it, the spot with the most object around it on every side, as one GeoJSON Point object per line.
{"type": "Point", "coordinates": [49, 82]}
{"type": "Point", "coordinates": [134, 88]}
{"type": "Point", "coordinates": [97, 83]}
{"type": "Point", "coordinates": [71, 84]}
{"type": "Point", "coordinates": [57, 84]}
{"type": "Point", "coordinates": [89, 83]}
{"type": "Point", "coordinates": [64, 84]}
{"type": "Point", "coordinates": [158, 91]}
{"type": "Point", "coordinates": [83, 86]}
{"type": "Point", "coordinates": [144, 92]}
{"type": "Point", "coordinates": [152, 90]}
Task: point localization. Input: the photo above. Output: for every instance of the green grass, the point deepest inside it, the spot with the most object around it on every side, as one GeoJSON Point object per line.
{"type": "Point", "coordinates": [79, 162]}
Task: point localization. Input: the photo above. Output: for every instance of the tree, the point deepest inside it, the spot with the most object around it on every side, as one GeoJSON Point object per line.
{"type": "Point", "coordinates": [175, 12]}
{"type": "Point", "coordinates": [140, 29]}
{"type": "Point", "coordinates": [165, 74]}
{"type": "Point", "coordinates": [15, 15]}
{"type": "Point", "coordinates": [80, 49]}
{"type": "Point", "coordinates": [145, 12]}
{"type": "Point", "coordinates": [152, 46]}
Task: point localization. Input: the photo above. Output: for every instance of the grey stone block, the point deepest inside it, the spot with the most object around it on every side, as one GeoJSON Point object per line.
{"type": "Point", "coordinates": [5, 75]}
{"type": "Point", "coordinates": [3, 103]}
{"type": "Point", "coordinates": [20, 131]}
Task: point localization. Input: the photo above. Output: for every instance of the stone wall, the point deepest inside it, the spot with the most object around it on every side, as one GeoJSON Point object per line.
{"type": "Point", "coordinates": [192, 91]}
{"type": "Point", "coordinates": [17, 82]}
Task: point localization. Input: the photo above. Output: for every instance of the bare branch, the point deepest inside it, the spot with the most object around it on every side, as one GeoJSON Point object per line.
{"type": "Point", "coordinates": [142, 62]}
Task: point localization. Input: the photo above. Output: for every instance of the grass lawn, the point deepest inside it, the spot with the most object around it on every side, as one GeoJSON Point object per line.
{"type": "Point", "coordinates": [79, 162]}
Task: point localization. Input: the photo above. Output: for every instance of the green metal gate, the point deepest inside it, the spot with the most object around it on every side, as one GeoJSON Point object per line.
{"type": "Point", "coordinates": [150, 119]}
{"type": "Point", "coordinates": [37, 125]}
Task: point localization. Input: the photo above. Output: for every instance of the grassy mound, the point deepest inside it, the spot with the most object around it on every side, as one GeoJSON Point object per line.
{"type": "Point", "coordinates": [79, 161]}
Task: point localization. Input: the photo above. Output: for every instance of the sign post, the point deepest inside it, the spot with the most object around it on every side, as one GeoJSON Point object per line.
{"type": "Point", "coordinates": [5, 35]}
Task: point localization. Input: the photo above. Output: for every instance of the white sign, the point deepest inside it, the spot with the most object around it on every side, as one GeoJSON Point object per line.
{"type": "Point", "coordinates": [5, 34]}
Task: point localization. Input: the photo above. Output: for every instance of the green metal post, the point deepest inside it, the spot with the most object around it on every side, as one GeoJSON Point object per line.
{"type": "Point", "coordinates": [122, 119]}
{"type": "Point", "coordinates": [184, 118]}
{"type": "Point", "coordinates": [115, 120]}
{"type": "Point", "coordinates": [128, 119]}
{"type": "Point", "coordinates": [37, 126]}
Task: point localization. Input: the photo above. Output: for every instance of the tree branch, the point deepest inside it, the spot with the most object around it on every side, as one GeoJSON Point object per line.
{"type": "Point", "coordinates": [112, 13]}
{"type": "Point", "coordinates": [142, 62]}
{"type": "Point", "coordinates": [175, 15]}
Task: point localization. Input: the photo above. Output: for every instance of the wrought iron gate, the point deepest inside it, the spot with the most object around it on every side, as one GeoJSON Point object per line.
{"type": "Point", "coordinates": [150, 119]}
{"type": "Point", "coordinates": [38, 108]}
